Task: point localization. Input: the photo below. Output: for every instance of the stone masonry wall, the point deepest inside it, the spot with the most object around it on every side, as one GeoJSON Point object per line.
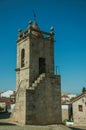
{"type": "Point", "coordinates": [43, 104]}
{"type": "Point", "coordinates": [24, 72]}
{"type": "Point", "coordinates": [79, 117]}
{"type": "Point", "coordinates": [19, 112]}
{"type": "Point", "coordinates": [65, 114]}
{"type": "Point", "coordinates": [40, 48]}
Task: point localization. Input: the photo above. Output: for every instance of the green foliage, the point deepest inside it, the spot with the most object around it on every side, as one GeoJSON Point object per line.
{"type": "Point", "coordinates": [66, 120]}
{"type": "Point", "coordinates": [83, 89]}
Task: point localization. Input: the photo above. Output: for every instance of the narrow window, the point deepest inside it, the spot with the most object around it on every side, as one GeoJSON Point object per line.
{"type": "Point", "coordinates": [80, 107]}
{"type": "Point", "coordinates": [42, 65]}
{"type": "Point", "coordinates": [22, 58]}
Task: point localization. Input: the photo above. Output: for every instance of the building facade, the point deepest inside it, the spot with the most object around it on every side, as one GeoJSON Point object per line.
{"type": "Point", "coordinates": [79, 110]}
{"type": "Point", "coordinates": [66, 112]}
{"type": "Point", "coordinates": [38, 89]}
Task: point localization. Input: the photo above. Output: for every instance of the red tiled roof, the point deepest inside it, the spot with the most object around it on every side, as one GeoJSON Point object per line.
{"type": "Point", "coordinates": [14, 95]}
{"type": "Point", "coordinates": [78, 97]}
{"type": "Point", "coordinates": [8, 101]}
{"type": "Point", "coordinates": [65, 102]}
{"type": "Point", "coordinates": [65, 96]}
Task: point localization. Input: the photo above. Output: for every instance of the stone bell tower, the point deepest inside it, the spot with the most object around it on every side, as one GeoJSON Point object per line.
{"type": "Point", "coordinates": [38, 89]}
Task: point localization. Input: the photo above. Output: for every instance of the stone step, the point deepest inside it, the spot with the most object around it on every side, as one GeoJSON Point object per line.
{"type": "Point", "coordinates": [35, 81]}
{"type": "Point", "coordinates": [34, 84]}
{"type": "Point", "coordinates": [39, 79]}
{"type": "Point", "coordinates": [42, 75]}
{"type": "Point", "coordinates": [31, 88]}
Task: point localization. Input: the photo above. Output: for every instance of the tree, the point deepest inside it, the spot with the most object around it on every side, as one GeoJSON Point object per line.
{"type": "Point", "coordinates": [83, 89]}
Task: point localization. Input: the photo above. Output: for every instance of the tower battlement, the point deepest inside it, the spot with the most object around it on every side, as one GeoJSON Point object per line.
{"type": "Point", "coordinates": [34, 30]}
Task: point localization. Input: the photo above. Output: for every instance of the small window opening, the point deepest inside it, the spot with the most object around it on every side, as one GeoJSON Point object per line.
{"type": "Point", "coordinates": [22, 58]}
{"type": "Point", "coordinates": [80, 107]}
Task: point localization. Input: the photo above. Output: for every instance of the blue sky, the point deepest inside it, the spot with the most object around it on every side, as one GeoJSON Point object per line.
{"type": "Point", "coordinates": [69, 20]}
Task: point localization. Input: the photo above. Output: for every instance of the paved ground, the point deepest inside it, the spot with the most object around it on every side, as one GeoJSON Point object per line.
{"type": "Point", "coordinates": [78, 128]}
{"type": "Point", "coordinates": [5, 124]}
{"type": "Point", "coordinates": [28, 127]}
{"type": "Point", "coordinates": [9, 126]}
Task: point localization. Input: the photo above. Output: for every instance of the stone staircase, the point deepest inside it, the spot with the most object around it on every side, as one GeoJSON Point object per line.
{"type": "Point", "coordinates": [23, 83]}
{"type": "Point", "coordinates": [37, 81]}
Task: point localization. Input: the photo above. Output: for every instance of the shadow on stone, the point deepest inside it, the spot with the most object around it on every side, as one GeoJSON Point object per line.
{"type": "Point", "coordinates": [5, 123]}
{"type": "Point", "coordinates": [73, 128]}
